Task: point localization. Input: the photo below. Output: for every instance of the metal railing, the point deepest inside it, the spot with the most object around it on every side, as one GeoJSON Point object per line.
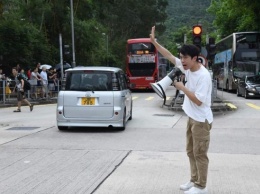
{"type": "Point", "coordinates": [178, 99]}
{"type": "Point", "coordinates": [8, 92]}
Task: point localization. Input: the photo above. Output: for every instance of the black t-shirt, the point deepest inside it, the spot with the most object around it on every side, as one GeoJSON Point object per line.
{"type": "Point", "coordinates": [50, 80]}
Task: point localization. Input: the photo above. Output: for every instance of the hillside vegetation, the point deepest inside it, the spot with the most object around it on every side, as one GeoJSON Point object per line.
{"type": "Point", "coordinates": [182, 15]}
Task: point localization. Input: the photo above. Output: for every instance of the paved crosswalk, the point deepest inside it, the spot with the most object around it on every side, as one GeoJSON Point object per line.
{"type": "Point", "coordinates": [232, 105]}
{"type": "Point", "coordinates": [255, 106]}
{"type": "Point", "coordinates": [148, 98]}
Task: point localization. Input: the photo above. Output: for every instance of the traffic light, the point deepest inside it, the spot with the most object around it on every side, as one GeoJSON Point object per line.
{"type": "Point", "coordinates": [211, 49]}
{"type": "Point", "coordinates": [196, 33]}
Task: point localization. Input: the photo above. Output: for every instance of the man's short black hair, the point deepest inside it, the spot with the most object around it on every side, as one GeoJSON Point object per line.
{"type": "Point", "coordinates": [190, 49]}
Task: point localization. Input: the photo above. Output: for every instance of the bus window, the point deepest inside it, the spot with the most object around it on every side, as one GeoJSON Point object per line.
{"type": "Point", "coordinates": [141, 48]}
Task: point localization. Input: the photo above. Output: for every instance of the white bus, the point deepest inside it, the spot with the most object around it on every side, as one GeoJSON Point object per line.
{"type": "Point", "coordinates": [237, 56]}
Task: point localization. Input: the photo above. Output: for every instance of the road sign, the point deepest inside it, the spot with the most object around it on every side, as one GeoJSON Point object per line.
{"type": "Point", "coordinates": [203, 60]}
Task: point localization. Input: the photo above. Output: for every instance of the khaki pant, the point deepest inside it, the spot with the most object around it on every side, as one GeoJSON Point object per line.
{"type": "Point", "coordinates": [198, 138]}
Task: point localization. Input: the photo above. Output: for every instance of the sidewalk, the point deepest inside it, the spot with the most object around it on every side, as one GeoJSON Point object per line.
{"type": "Point", "coordinates": [144, 172]}
{"type": "Point", "coordinates": [217, 106]}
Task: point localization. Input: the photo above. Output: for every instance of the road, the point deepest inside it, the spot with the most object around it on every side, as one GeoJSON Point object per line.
{"type": "Point", "coordinates": [148, 157]}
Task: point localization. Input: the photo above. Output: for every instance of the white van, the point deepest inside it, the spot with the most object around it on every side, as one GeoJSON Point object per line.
{"type": "Point", "coordinates": [94, 97]}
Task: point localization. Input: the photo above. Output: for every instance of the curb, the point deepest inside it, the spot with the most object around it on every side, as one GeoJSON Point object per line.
{"type": "Point", "coordinates": [217, 106]}
{"type": "Point", "coordinates": [13, 103]}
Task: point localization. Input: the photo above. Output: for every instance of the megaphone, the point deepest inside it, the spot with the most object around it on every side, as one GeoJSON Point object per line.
{"type": "Point", "coordinates": [161, 86]}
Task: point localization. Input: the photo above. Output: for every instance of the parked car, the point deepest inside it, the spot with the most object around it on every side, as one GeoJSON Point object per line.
{"type": "Point", "coordinates": [94, 97]}
{"type": "Point", "coordinates": [249, 86]}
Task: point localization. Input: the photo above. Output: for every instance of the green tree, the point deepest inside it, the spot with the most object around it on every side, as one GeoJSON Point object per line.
{"type": "Point", "coordinates": [131, 19]}
{"type": "Point", "coordinates": [235, 15]}
{"type": "Point", "coordinates": [22, 41]}
{"type": "Point", "coordinates": [41, 21]}
{"type": "Point", "coordinates": [182, 15]}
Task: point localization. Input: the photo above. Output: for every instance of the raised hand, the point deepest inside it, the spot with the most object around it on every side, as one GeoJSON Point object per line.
{"type": "Point", "coordinates": [152, 35]}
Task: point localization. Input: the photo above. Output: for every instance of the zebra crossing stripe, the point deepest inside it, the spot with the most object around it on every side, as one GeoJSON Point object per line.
{"type": "Point", "coordinates": [149, 98]}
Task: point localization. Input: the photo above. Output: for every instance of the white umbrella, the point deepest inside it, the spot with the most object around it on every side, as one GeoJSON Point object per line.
{"type": "Point", "coordinates": [65, 66]}
{"type": "Point", "coordinates": [46, 66]}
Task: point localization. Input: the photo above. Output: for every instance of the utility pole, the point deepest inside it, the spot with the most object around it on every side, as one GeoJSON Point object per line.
{"type": "Point", "coordinates": [72, 33]}
{"type": "Point", "coordinates": [61, 57]}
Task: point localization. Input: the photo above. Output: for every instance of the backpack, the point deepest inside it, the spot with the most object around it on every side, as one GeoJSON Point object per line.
{"type": "Point", "coordinates": [27, 85]}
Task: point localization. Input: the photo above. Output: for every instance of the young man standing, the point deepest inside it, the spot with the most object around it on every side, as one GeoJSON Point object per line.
{"type": "Point", "coordinates": [19, 80]}
{"type": "Point", "coordinates": [197, 106]}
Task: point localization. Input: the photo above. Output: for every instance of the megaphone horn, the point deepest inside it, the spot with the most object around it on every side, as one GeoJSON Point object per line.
{"type": "Point", "coordinates": [161, 86]}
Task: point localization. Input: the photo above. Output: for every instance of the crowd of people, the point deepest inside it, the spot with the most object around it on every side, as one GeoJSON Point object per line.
{"type": "Point", "coordinates": [44, 81]}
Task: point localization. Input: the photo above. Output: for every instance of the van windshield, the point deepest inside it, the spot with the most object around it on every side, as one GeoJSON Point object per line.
{"type": "Point", "coordinates": [88, 80]}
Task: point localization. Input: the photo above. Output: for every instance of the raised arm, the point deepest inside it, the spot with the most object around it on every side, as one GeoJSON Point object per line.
{"type": "Point", "coordinates": [167, 54]}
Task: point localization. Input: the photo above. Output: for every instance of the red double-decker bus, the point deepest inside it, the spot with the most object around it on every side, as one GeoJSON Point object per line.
{"type": "Point", "coordinates": [142, 63]}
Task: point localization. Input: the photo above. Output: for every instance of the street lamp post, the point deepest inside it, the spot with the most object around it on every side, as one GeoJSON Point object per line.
{"type": "Point", "coordinates": [61, 57]}
{"type": "Point", "coordinates": [72, 33]}
{"type": "Point", "coordinates": [104, 34]}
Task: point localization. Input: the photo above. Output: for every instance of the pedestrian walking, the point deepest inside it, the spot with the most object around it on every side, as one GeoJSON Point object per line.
{"type": "Point", "coordinates": [20, 87]}
{"type": "Point", "coordinates": [197, 106]}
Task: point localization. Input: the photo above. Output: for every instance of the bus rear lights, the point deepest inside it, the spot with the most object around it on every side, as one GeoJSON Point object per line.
{"type": "Point", "coordinates": [60, 112]}
{"type": "Point", "coordinates": [139, 52]}
{"type": "Point", "coordinates": [116, 113]}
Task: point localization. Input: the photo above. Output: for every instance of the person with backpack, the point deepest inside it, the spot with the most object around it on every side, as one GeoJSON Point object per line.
{"type": "Point", "coordinates": [21, 86]}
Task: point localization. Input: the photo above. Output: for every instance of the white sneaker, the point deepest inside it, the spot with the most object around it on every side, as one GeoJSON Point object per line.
{"type": "Point", "coordinates": [186, 186]}
{"type": "Point", "coordinates": [195, 190]}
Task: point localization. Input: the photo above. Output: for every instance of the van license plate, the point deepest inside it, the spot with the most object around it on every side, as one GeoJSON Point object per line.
{"type": "Point", "coordinates": [87, 101]}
